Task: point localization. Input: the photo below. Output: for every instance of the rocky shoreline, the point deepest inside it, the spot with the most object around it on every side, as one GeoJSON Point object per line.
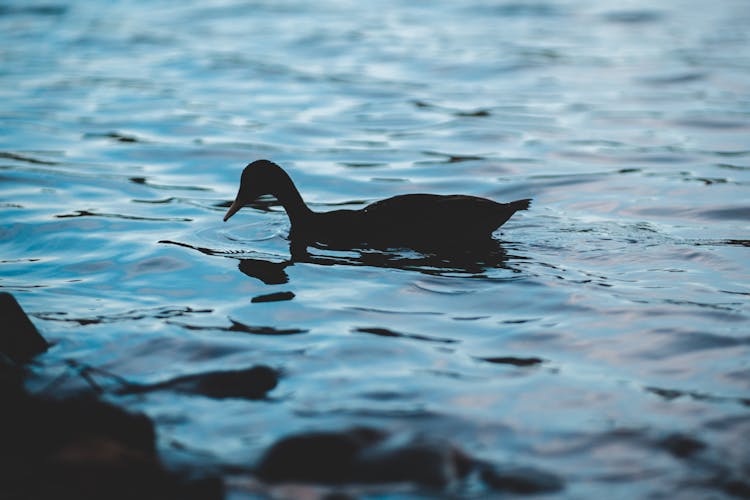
{"type": "Point", "coordinates": [81, 446]}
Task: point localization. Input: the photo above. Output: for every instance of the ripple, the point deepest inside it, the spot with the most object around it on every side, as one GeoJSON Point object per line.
{"type": "Point", "coordinates": [448, 158]}
{"type": "Point", "coordinates": [686, 342]}
{"type": "Point", "coordinates": [715, 124]}
{"type": "Point", "coordinates": [396, 312]}
{"type": "Point", "coordinates": [237, 326]}
{"type": "Point", "coordinates": [116, 136]}
{"type": "Point", "coordinates": [26, 158]}
{"type": "Point", "coordinates": [385, 332]}
{"type": "Point", "coordinates": [145, 182]}
{"type": "Point", "coordinates": [675, 394]}
{"type": "Point", "coordinates": [33, 10]}
{"type": "Point", "coordinates": [87, 213]}
{"type": "Point", "coordinates": [674, 79]}
{"type": "Point", "coordinates": [634, 16]}
{"type": "Point", "coordinates": [132, 315]}
{"type": "Point", "coordinates": [520, 9]}
{"type": "Point", "coordinates": [513, 361]}
{"type": "Point", "coordinates": [731, 213]}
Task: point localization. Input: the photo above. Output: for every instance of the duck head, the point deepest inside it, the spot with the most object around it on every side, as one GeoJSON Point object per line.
{"type": "Point", "coordinates": [258, 178]}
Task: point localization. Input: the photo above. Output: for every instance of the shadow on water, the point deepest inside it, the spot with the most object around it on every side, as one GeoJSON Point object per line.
{"type": "Point", "coordinates": [443, 260]}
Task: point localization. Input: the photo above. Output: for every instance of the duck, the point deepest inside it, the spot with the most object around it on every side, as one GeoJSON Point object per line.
{"type": "Point", "coordinates": [404, 221]}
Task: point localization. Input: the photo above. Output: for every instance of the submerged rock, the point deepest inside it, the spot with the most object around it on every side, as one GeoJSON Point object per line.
{"type": "Point", "coordinates": [19, 340]}
{"type": "Point", "coordinates": [370, 456]}
{"type": "Point", "coordinates": [79, 447]}
{"type": "Point", "coordinates": [362, 455]}
{"type": "Point", "coordinates": [520, 480]}
{"type": "Point", "coordinates": [317, 457]}
{"type": "Point", "coordinates": [86, 448]}
{"type": "Point", "coordinates": [250, 383]}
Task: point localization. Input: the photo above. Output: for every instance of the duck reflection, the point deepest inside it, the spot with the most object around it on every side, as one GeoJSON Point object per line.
{"type": "Point", "coordinates": [270, 273]}
{"type": "Point", "coordinates": [435, 261]}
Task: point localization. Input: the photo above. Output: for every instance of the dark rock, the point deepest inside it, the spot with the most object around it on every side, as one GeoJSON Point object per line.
{"type": "Point", "coordinates": [56, 423]}
{"type": "Point", "coordinates": [338, 495]}
{"type": "Point", "coordinates": [251, 383]}
{"type": "Point", "coordinates": [317, 457]}
{"type": "Point", "coordinates": [431, 463]}
{"type": "Point", "coordinates": [521, 480]}
{"type": "Point", "coordinates": [105, 468]}
{"type": "Point", "coordinates": [20, 340]}
{"type": "Point", "coordinates": [78, 447]}
{"type": "Point", "coordinates": [11, 380]}
{"type": "Point", "coordinates": [85, 448]}
{"type": "Point", "coordinates": [362, 455]}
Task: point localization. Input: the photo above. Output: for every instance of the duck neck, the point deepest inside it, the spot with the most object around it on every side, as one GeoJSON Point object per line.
{"type": "Point", "coordinates": [291, 199]}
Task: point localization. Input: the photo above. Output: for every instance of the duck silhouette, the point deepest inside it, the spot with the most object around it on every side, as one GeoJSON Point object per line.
{"type": "Point", "coordinates": [416, 221]}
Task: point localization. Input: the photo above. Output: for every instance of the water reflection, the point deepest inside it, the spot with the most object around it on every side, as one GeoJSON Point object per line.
{"type": "Point", "coordinates": [270, 273]}
{"type": "Point", "coordinates": [622, 317]}
{"type": "Point", "coordinates": [442, 261]}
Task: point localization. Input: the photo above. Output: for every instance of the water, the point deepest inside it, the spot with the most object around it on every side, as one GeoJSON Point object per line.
{"type": "Point", "coordinates": [123, 131]}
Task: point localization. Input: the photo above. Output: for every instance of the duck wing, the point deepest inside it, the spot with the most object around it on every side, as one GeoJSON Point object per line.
{"type": "Point", "coordinates": [431, 217]}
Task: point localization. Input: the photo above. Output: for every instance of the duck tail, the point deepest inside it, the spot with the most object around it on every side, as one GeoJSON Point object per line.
{"type": "Point", "coordinates": [520, 204]}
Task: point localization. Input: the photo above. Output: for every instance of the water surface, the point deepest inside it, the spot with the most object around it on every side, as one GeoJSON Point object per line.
{"type": "Point", "coordinates": [609, 324]}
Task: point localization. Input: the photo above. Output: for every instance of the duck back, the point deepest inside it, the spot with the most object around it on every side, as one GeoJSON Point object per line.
{"type": "Point", "coordinates": [415, 220]}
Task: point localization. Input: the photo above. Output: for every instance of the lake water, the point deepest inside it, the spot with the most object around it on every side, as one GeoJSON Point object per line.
{"type": "Point", "coordinates": [605, 341]}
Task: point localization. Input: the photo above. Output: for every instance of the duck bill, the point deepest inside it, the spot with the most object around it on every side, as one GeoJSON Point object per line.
{"type": "Point", "coordinates": [236, 205]}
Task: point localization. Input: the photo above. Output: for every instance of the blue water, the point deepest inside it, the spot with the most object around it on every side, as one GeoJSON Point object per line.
{"type": "Point", "coordinates": [123, 131]}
